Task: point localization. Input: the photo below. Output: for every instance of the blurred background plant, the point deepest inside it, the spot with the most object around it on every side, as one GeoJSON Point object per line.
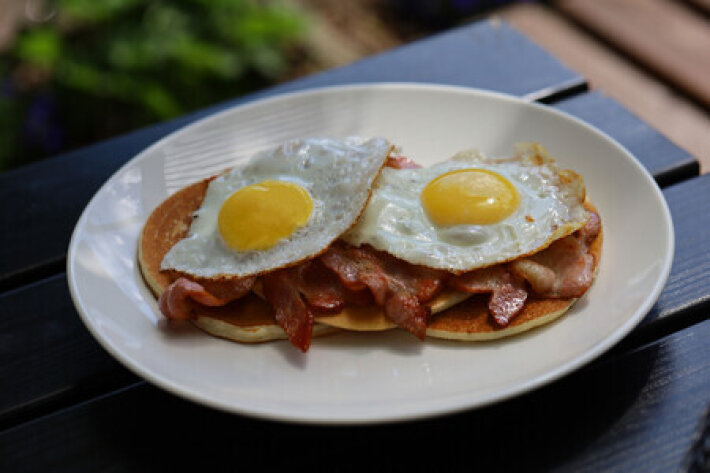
{"type": "Point", "coordinates": [82, 70]}
{"type": "Point", "coordinates": [77, 71]}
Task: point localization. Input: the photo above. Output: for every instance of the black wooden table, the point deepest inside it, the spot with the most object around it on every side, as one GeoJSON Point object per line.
{"type": "Point", "coordinates": [66, 405]}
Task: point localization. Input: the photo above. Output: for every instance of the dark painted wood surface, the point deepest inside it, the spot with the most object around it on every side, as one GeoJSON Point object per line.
{"type": "Point", "coordinates": [667, 162]}
{"type": "Point", "coordinates": [633, 413]}
{"type": "Point", "coordinates": [49, 359]}
{"type": "Point", "coordinates": [66, 405]}
{"type": "Point", "coordinates": [53, 193]}
{"type": "Point", "coordinates": [687, 291]}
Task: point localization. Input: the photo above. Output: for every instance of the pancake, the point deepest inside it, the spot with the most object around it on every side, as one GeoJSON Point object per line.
{"type": "Point", "coordinates": [248, 319]}
{"type": "Point", "coordinates": [455, 315]}
{"type": "Point", "coordinates": [373, 319]}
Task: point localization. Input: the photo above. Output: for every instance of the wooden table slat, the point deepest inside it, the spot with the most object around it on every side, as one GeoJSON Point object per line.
{"type": "Point", "coordinates": [664, 35]}
{"type": "Point", "coordinates": [636, 413]}
{"type": "Point", "coordinates": [688, 287]}
{"type": "Point", "coordinates": [47, 356]}
{"type": "Point", "coordinates": [667, 162]}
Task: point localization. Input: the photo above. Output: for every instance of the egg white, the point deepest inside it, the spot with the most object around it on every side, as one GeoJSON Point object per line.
{"type": "Point", "coordinates": [551, 207]}
{"type": "Point", "coordinates": [338, 175]}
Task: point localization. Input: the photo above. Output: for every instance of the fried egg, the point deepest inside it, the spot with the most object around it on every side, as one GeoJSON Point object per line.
{"type": "Point", "coordinates": [281, 207]}
{"type": "Point", "coordinates": [471, 211]}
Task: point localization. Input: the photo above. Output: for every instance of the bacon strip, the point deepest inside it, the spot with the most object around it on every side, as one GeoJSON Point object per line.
{"type": "Point", "coordinates": [591, 229]}
{"type": "Point", "coordinates": [508, 293]}
{"type": "Point", "coordinates": [316, 284]}
{"type": "Point", "coordinates": [177, 301]}
{"type": "Point", "coordinates": [397, 285]}
{"type": "Point", "coordinates": [324, 292]}
{"type": "Point", "coordinates": [294, 293]}
{"type": "Point", "coordinates": [566, 268]}
{"type": "Point", "coordinates": [407, 312]}
{"type": "Point", "coordinates": [290, 311]}
{"type": "Point", "coordinates": [401, 162]}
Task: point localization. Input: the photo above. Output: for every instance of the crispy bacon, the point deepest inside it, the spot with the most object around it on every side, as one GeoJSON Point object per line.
{"type": "Point", "coordinates": [323, 291]}
{"type": "Point", "coordinates": [357, 269]}
{"type": "Point", "coordinates": [397, 285]}
{"type": "Point", "coordinates": [508, 293]}
{"type": "Point", "coordinates": [316, 284]}
{"type": "Point", "coordinates": [296, 293]}
{"type": "Point", "coordinates": [566, 268]}
{"type": "Point", "coordinates": [405, 310]}
{"type": "Point", "coordinates": [177, 301]}
{"type": "Point", "coordinates": [591, 229]}
{"type": "Point", "coordinates": [401, 162]}
{"type": "Point", "coordinates": [290, 311]}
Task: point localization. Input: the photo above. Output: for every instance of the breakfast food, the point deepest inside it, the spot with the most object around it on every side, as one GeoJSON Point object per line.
{"type": "Point", "coordinates": [290, 205]}
{"type": "Point", "coordinates": [327, 234]}
{"type": "Point", "coordinates": [470, 212]}
{"type": "Point", "coordinates": [281, 207]}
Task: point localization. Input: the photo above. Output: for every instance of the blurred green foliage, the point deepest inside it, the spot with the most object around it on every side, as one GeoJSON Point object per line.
{"type": "Point", "coordinates": [100, 67]}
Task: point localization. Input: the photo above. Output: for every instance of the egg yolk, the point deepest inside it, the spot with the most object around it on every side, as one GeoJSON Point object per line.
{"type": "Point", "coordinates": [257, 217]}
{"type": "Point", "coordinates": [469, 197]}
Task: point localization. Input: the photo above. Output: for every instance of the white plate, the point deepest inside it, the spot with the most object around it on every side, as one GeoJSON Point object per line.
{"type": "Point", "coordinates": [364, 378]}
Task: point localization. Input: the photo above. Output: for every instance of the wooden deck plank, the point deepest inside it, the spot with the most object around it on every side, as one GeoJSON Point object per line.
{"type": "Point", "coordinates": [665, 36]}
{"type": "Point", "coordinates": [46, 354]}
{"type": "Point", "coordinates": [651, 148]}
{"type": "Point", "coordinates": [682, 121]}
{"type": "Point", "coordinates": [636, 413]}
